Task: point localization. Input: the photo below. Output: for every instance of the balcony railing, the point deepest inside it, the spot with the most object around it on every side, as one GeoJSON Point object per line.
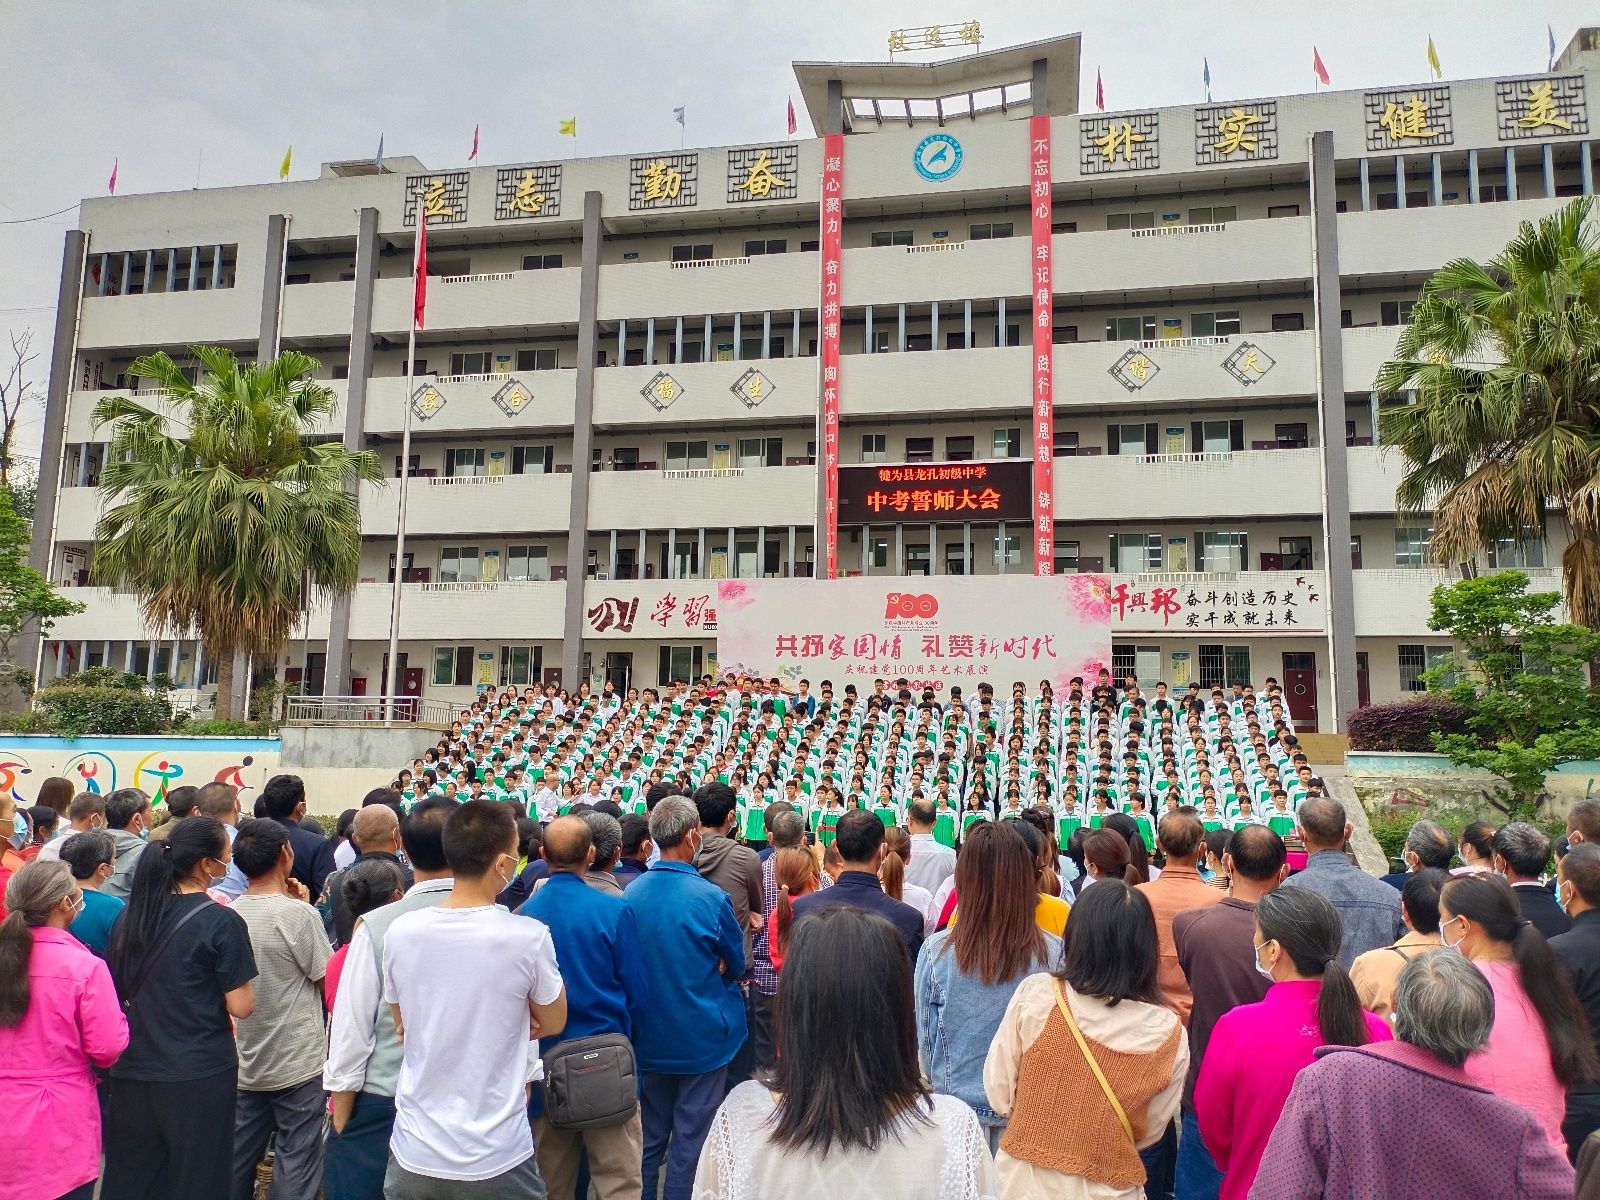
{"type": "Point", "coordinates": [367, 710]}
{"type": "Point", "coordinates": [697, 263]}
{"type": "Point", "coordinates": [1175, 230]}
{"type": "Point", "coordinates": [477, 278]}
{"type": "Point", "coordinates": [936, 247]}
{"type": "Point", "coordinates": [465, 480]}
{"type": "Point", "coordinates": [702, 473]}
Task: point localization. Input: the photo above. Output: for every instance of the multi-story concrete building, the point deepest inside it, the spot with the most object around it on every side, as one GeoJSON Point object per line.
{"type": "Point", "coordinates": [619, 396]}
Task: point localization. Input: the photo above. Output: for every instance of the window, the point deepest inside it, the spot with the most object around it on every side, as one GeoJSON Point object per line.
{"type": "Point", "coordinates": [1013, 336]}
{"type": "Point", "coordinates": [1066, 558]}
{"type": "Point", "coordinates": [520, 665]}
{"type": "Point", "coordinates": [1411, 546]}
{"type": "Point", "coordinates": [958, 449]}
{"type": "Point", "coordinates": [1217, 214]}
{"type": "Point", "coordinates": [532, 460]}
{"type": "Point", "coordinates": [761, 452]}
{"type": "Point", "coordinates": [452, 666]}
{"type": "Point", "coordinates": [540, 262]}
{"type": "Point", "coordinates": [1228, 550]}
{"type": "Point", "coordinates": [1131, 439]}
{"type": "Point", "coordinates": [1135, 552]}
{"type": "Point", "coordinates": [460, 460]}
{"type": "Point", "coordinates": [919, 450]}
{"type": "Point", "coordinates": [745, 561]}
{"type": "Point", "coordinates": [1007, 443]}
{"type": "Point", "coordinates": [1065, 443]}
{"type": "Point", "coordinates": [1131, 220]}
{"type": "Point", "coordinates": [341, 370]}
{"type": "Point", "coordinates": [693, 352]}
{"type": "Point", "coordinates": [810, 247]}
{"type": "Point", "coordinates": [879, 553]}
{"type": "Point", "coordinates": [688, 456]}
{"type": "Point", "coordinates": [955, 558]}
{"type": "Point", "coordinates": [1131, 329]}
{"type": "Point", "coordinates": [874, 447]}
{"type": "Point", "coordinates": [1288, 322]}
{"type": "Point", "coordinates": [1395, 312]}
{"type": "Point", "coordinates": [1218, 437]}
{"type": "Point", "coordinates": [766, 246]}
{"type": "Point", "coordinates": [300, 277]}
{"type": "Point", "coordinates": [997, 229]}
{"type": "Point", "coordinates": [691, 253]}
{"type": "Point", "coordinates": [1291, 435]}
{"type": "Point", "coordinates": [1347, 319]}
{"type": "Point", "coordinates": [680, 664]}
{"type": "Point", "coordinates": [956, 339]}
{"type": "Point", "coordinates": [1007, 551]}
{"type": "Point", "coordinates": [685, 562]}
{"type": "Point", "coordinates": [918, 560]}
{"type": "Point", "coordinates": [1413, 661]}
{"type": "Point", "coordinates": [1490, 193]}
{"type": "Point", "coordinates": [1064, 335]}
{"type": "Point", "coordinates": [751, 347]}
{"type": "Point", "coordinates": [544, 359]}
{"type": "Point", "coordinates": [1223, 665]}
{"type": "Point", "coordinates": [1526, 551]}
{"type": "Point", "coordinates": [1417, 199]}
{"type": "Point", "coordinates": [1283, 210]}
{"type": "Point", "coordinates": [1142, 662]}
{"type": "Point", "coordinates": [528, 563]}
{"type": "Point", "coordinates": [1295, 553]}
{"type": "Point", "coordinates": [470, 362]}
{"type": "Point", "coordinates": [1222, 323]}
{"type": "Point", "coordinates": [414, 465]}
{"type": "Point", "coordinates": [458, 564]}
{"type": "Point", "coordinates": [879, 343]}
{"type": "Point", "coordinates": [1355, 552]}
{"type": "Point", "coordinates": [891, 237]}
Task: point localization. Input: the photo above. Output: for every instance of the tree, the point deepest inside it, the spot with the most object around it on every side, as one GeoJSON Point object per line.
{"type": "Point", "coordinates": [1522, 674]}
{"type": "Point", "coordinates": [26, 596]}
{"type": "Point", "coordinates": [1503, 360]}
{"type": "Point", "coordinates": [224, 515]}
{"type": "Point", "coordinates": [18, 394]}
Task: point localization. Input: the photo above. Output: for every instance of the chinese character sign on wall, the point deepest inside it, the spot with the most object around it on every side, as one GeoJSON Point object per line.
{"type": "Point", "coordinates": [1540, 108]}
{"type": "Point", "coordinates": [667, 608]}
{"type": "Point", "coordinates": [664, 181]}
{"type": "Point", "coordinates": [1125, 142]}
{"type": "Point", "coordinates": [928, 493]}
{"type": "Point", "coordinates": [830, 308]}
{"type": "Point", "coordinates": [443, 197]}
{"type": "Point", "coordinates": [1407, 118]}
{"type": "Point", "coordinates": [763, 173]}
{"type": "Point", "coordinates": [1043, 288]}
{"type": "Point", "coordinates": [523, 192]}
{"type": "Point", "coordinates": [1270, 602]}
{"type": "Point", "coordinates": [1246, 132]}
{"type": "Point", "coordinates": [938, 631]}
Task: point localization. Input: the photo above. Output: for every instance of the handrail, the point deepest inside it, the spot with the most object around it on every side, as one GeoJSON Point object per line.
{"type": "Point", "coordinates": [367, 710]}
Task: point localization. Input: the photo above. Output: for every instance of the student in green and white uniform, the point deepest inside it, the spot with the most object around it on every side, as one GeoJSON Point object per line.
{"type": "Point", "coordinates": [886, 809]}
{"type": "Point", "coordinates": [752, 818]}
{"type": "Point", "coordinates": [944, 822]}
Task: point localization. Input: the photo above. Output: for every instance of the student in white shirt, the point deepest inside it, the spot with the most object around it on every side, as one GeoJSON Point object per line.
{"type": "Point", "coordinates": [461, 1102]}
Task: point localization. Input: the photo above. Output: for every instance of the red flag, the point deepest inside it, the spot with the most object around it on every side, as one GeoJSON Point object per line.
{"type": "Point", "coordinates": [1099, 91]}
{"type": "Point", "coordinates": [111, 184]}
{"type": "Point", "coordinates": [1318, 69]}
{"type": "Point", "coordinates": [420, 305]}
{"type": "Point", "coordinates": [474, 153]}
{"type": "Point", "coordinates": [792, 125]}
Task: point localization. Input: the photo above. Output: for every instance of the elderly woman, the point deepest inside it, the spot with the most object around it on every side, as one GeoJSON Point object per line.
{"type": "Point", "coordinates": [1372, 1120]}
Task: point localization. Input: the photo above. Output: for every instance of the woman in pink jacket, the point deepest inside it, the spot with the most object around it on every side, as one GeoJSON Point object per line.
{"type": "Point", "coordinates": [1256, 1050]}
{"type": "Point", "coordinates": [58, 1017]}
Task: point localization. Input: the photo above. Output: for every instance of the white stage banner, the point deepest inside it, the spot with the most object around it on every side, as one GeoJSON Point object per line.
{"type": "Point", "coordinates": [936, 631]}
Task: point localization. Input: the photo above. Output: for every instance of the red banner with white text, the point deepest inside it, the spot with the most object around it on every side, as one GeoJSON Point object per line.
{"type": "Point", "coordinates": [829, 312]}
{"type": "Point", "coordinates": [1044, 519]}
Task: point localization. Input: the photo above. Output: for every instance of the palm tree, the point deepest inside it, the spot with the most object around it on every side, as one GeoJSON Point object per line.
{"type": "Point", "coordinates": [222, 513]}
{"type": "Point", "coordinates": [1503, 435]}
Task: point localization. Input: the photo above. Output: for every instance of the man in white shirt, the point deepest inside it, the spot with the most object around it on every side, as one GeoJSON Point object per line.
{"type": "Point", "coordinates": [87, 811]}
{"type": "Point", "coordinates": [461, 1103]}
{"type": "Point", "coordinates": [931, 863]}
{"type": "Point", "coordinates": [547, 796]}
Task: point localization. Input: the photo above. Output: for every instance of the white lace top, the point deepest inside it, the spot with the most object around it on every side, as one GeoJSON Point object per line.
{"type": "Point", "coordinates": [946, 1158]}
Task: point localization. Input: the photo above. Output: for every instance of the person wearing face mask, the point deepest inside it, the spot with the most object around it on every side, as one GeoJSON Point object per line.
{"type": "Point", "coordinates": [88, 856]}
{"type": "Point", "coordinates": [1256, 1050]}
{"type": "Point", "coordinates": [183, 967]}
{"type": "Point", "coordinates": [1538, 1047]}
{"type": "Point", "coordinates": [58, 1018]}
{"type": "Point", "coordinates": [1578, 950]}
{"type": "Point", "coordinates": [461, 1121]}
{"type": "Point", "coordinates": [128, 818]}
{"type": "Point", "coordinates": [86, 812]}
{"type": "Point", "coordinates": [695, 1021]}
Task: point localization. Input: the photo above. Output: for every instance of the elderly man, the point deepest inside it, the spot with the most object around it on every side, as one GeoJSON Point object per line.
{"type": "Point", "coordinates": [597, 944]}
{"type": "Point", "coordinates": [694, 1024]}
{"type": "Point", "coordinates": [1427, 845]}
{"type": "Point", "coordinates": [375, 833]}
{"type": "Point", "coordinates": [1521, 852]}
{"type": "Point", "coordinates": [786, 829]}
{"type": "Point", "coordinates": [1578, 889]}
{"type": "Point", "coordinates": [1372, 1120]}
{"type": "Point", "coordinates": [1368, 909]}
{"type": "Point", "coordinates": [86, 813]}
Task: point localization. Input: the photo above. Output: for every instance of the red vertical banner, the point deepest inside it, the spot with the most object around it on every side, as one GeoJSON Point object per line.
{"type": "Point", "coordinates": [1044, 513]}
{"type": "Point", "coordinates": [828, 319]}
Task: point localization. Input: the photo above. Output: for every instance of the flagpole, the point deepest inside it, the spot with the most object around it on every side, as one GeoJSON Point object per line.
{"type": "Point", "coordinates": [405, 482]}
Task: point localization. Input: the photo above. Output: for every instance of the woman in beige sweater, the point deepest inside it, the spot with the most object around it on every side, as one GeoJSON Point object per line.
{"type": "Point", "coordinates": [1088, 1064]}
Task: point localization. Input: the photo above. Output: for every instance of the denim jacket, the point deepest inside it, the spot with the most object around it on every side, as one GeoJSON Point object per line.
{"type": "Point", "coordinates": [957, 1016]}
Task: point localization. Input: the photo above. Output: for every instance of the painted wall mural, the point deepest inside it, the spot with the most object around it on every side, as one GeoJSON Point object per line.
{"type": "Point", "coordinates": [153, 764]}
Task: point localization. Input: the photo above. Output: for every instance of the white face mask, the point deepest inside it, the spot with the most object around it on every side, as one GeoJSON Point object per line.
{"type": "Point", "coordinates": [1445, 941]}
{"type": "Point", "coordinates": [1267, 971]}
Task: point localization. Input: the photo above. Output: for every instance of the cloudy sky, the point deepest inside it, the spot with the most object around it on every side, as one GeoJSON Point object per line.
{"type": "Point", "coordinates": [218, 88]}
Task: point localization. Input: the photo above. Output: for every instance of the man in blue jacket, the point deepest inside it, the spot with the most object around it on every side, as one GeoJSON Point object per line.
{"type": "Point", "coordinates": [684, 1039]}
{"type": "Point", "coordinates": [597, 944]}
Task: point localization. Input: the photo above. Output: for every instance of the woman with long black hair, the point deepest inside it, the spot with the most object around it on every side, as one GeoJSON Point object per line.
{"type": "Point", "coordinates": [1256, 1050]}
{"type": "Point", "coordinates": [845, 1112]}
{"type": "Point", "coordinates": [182, 965]}
{"type": "Point", "coordinates": [1539, 1047]}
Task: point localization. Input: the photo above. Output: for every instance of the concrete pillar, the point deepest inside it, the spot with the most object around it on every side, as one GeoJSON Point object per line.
{"type": "Point", "coordinates": [611, 560]}
{"type": "Point", "coordinates": [1511, 172]}
{"type": "Point", "coordinates": [677, 341]}
{"type": "Point", "coordinates": [582, 442]}
{"type": "Point", "coordinates": [1549, 163]}
{"type": "Point", "coordinates": [790, 572]}
{"type": "Point", "coordinates": [672, 554]}
{"type": "Point", "coordinates": [1472, 176]}
{"type": "Point", "coordinates": [1399, 180]}
{"type": "Point", "coordinates": [1366, 185]}
{"type": "Point", "coordinates": [1586, 167]}
{"type": "Point", "coordinates": [738, 336]}
{"type": "Point", "coordinates": [966, 314]}
{"type": "Point", "coordinates": [650, 340]}
{"type": "Point", "coordinates": [900, 332]}
{"type": "Point", "coordinates": [1437, 170]}
{"type": "Point", "coordinates": [794, 341]}
{"type": "Point", "coordinates": [216, 269]}
{"type": "Point", "coordinates": [700, 567]}
{"type": "Point", "coordinates": [194, 269]}
{"type": "Point", "coordinates": [622, 342]}
{"type": "Point", "coordinates": [866, 337]}
{"type": "Point", "coordinates": [933, 324]}
{"type": "Point", "coordinates": [766, 333]}
{"type": "Point", "coordinates": [1330, 418]}
{"type": "Point", "coordinates": [1000, 562]}
{"type": "Point", "coordinates": [1000, 321]}
{"type": "Point", "coordinates": [336, 677]}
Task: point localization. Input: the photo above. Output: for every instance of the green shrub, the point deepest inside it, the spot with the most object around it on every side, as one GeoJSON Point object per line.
{"type": "Point", "coordinates": [191, 728]}
{"type": "Point", "coordinates": [1391, 828]}
{"type": "Point", "coordinates": [76, 709]}
{"type": "Point", "coordinates": [28, 722]}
